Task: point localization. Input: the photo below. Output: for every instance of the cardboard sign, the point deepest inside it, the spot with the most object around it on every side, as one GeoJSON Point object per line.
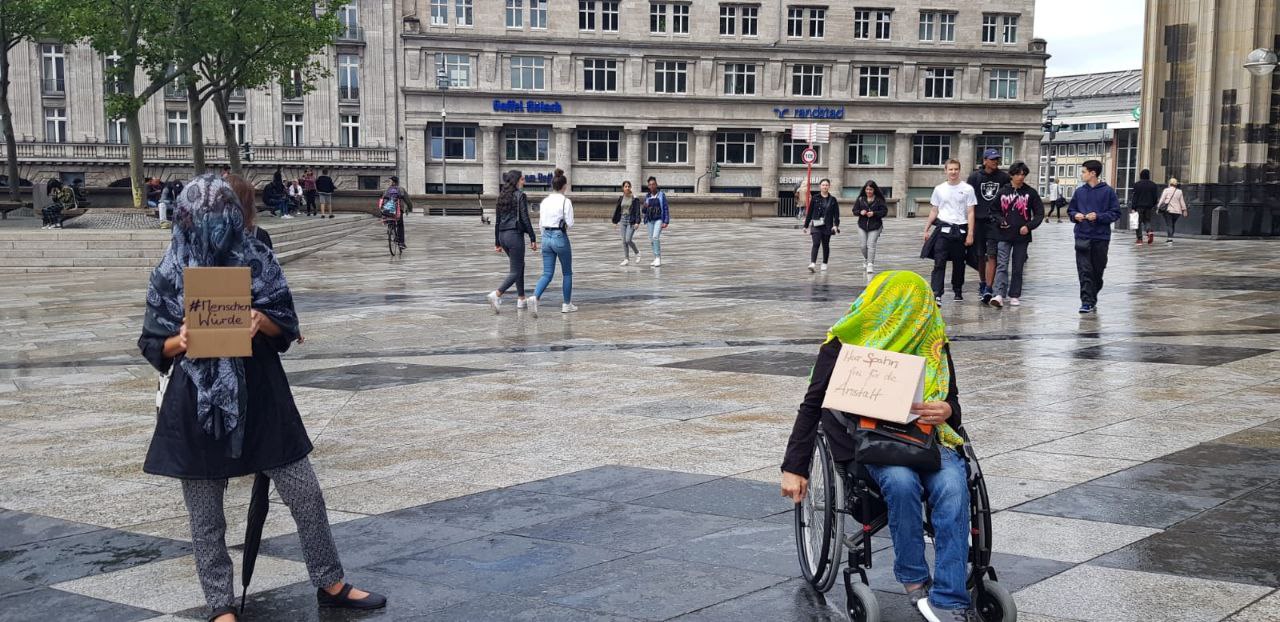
{"type": "Point", "coordinates": [875, 383]}
{"type": "Point", "coordinates": [218, 301]}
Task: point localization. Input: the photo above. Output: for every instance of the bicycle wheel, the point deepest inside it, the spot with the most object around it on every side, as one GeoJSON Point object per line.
{"type": "Point", "coordinates": [819, 529]}
{"type": "Point", "coordinates": [392, 247]}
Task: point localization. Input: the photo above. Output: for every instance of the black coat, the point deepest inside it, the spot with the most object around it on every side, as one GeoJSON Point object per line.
{"type": "Point", "coordinates": [1009, 223]}
{"type": "Point", "coordinates": [1145, 195]}
{"type": "Point", "coordinates": [515, 220]}
{"type": "Point", "coordinates": [878, 210]}
{"type": "Point", "coordinates": [826, 208]}
{"type": "Point", "coordinates": [633, 210]}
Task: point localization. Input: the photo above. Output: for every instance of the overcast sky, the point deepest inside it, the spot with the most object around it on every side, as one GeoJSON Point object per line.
{"type": "Point", "coordinates": [1087, 36]}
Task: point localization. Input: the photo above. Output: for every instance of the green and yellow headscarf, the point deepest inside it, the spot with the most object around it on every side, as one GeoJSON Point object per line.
{"type": "Point", "coordinates": [897, 312]}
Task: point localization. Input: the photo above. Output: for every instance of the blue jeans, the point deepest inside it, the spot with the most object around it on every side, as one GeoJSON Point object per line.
{"type": "Point", "coordinates": [655, 232]}
{"type": "Point", "coordinates": [948, 490]}
{"type": "Point", "coordinates": [555, 245]}
{"type": "Point", "coordinates": [279, 208]}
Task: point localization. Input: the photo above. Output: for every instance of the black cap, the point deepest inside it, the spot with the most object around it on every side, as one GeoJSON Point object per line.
{"type": "Point", "coordinates": [395, 179]}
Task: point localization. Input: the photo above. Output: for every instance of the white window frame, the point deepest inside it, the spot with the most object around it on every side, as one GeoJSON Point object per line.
{"type": "Point", "coordinates": [740, 78]}
{"type": "Point", "coordinates": [457, 67]}
{"type": "Point", "coordinates": [349, 131]}
{"type": "Point", "coordinates": [817, 22]}
{"type": "Point", "coordinates": [453, 133]}
{"type": "Point", "coordinates": [947, 27]}
{"type": "Point", "coordinates": [538, 15]}
{"type": "Point", "coordinates": [531, 69]}
{"type": "Point", "coordinates": [749, 14]}
{"type": "Point", "coordinates": [920, 143]}
{"type": "Point", "coordinates": [587, 15]}
{"type": "Point", "coordinates": [795, 22]}
{"type": "Point", "coordinates": [464, 13]}
{"type": "Point", "coordinates": [862, 24]}
{"type": "Point", "coordinates": [515, 14]}
{"type": "Point", "coordinates": [588, 137]}
{"type": "Point", "coordinates": [657, 18]}
{"type": "Point", "coordinates": [870, 146]}
{"type": "Point", "coordinates": [439, 12]}
{"type": "Point", "coordinates": [55, 125]}
{"type": "Point", "coordinates": [1009, 30]}
{"type": "Point", "coordinates": [609, 16]}
{"type": "Point", "coordinates": [348, 76]}
{"type": "Point", "coordinates": [178, 127]}
{"type": "Point", "coordinates": [728, 20]}
{"type": "Point", "coordinates": [928, 25]}
{"type": "Point", "coordinates": [990, 26]}
{"type": "Point", "coordinates": [803, 74]}
{"type": "Point", "coordinates": [600, 70]}
{"type": "Point", "coordinates": [53, 60]}
{"type": "Point", "coordinates": [349, 18]}
{"type": "Point", "coordinates": [880, 76]}
{"type": "Point", "coordinates": [744, 141]}
{"type": "Point", "coordinates": [294, 135]}
{"type": "Point", "coordinates": [1002, 84]}
{"type": "Point", "coordinates": [239, 126]}
{"type": "Point", "coordinates": [1003, 142]}
{"type": "Point", "coordinates": [792, 150]}
{"type": "Point", "coordinates": [117, 131]}
{"type": "Point", "coordinates": [936, 78]}
{"type": "Point", "coordinates": [884, 24]}
{"type": "Point", "coordinates": [536, 138]}
{"type": "Point", "coordinates": [671, 77]}
{"type": "Point", "coordinates": [679, 19]}
{"type": "Point", "coordinates": [657, 141]}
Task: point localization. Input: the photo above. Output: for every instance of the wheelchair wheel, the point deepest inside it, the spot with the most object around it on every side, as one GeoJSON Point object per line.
{"type": "Point", "coordinates": [819, 527]}
{"type": "Point", "coordinates": [863, 606]}
{"type": "Point", "coordinates": [994, 603]}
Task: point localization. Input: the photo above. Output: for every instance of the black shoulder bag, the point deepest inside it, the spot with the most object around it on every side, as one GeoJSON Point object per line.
{"type": "Point", "coordinates": [875, 441]}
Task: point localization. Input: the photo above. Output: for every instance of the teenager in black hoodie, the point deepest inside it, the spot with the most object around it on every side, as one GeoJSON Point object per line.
{"type": "Point", "coordinates": [1142, 199]}
{"type": "Point", "coordinates": [1018, 211]}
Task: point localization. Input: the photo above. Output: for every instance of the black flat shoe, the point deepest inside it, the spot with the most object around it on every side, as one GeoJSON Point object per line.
{"type": "Point", "coordinates": [343, 600]}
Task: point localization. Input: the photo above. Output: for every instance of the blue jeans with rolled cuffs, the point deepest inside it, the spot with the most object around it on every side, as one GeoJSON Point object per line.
{"type": "Point", "coordinates": [655, 236]}
{"type": "Point", "coordinates": [948, 490]}
{"type": "Point", "coordinates": [555, 245]}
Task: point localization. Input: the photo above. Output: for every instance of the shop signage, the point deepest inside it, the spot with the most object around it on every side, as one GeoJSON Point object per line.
{"type": "Point", "coordinates": [810, 113]}
{"type": "Point", "coordinates": [529, 106]}
{"type": "Point", "coordinates": [538, 178]}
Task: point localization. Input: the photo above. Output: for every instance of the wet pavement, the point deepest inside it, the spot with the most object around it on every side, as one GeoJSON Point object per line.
{"type": "Point", "coordinates": [620, 463]}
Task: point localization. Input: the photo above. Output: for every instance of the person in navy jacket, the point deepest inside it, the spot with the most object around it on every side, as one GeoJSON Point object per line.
{"type": "Point", "coordinates": [657, 215]}
{"type": "Point", "coordinates": [1094, 206]}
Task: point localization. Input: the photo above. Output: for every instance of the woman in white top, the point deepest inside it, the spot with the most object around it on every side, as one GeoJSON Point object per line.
{"type": "Point", "coordinates": [555, 215]}
{"type": "Point", "coordinates": [1173, 205]}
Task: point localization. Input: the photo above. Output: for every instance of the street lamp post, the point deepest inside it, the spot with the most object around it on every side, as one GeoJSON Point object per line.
{"type": "Point", "coordinates": [1051, 129]}
{"type": "Point", "coordinates": [442, 82]}
{"type": "Point", "coordinates": [1261, 62]}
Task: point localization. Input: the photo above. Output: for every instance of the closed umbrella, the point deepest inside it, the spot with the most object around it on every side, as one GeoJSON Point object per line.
{"type": "Point", "coordinates": [259, 505]}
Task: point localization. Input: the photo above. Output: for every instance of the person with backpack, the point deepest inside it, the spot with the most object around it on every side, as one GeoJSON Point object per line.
{"type": "Point", "coordinates": [1142, 199]}
{"type": "Point", "coordinates": [1019, 210]}
{"type": "Point", "coordinates": [657, 215]}
{"type": "Point", "coordinates": [870, 208]}
{"type": "Point", "coordinates": [821, 221]}
{"type": "Point", "coordinates": [392, 205]}
{"type": "Point", "coordinates": [1094, 206]}
{"type": "Point", "coordinates": [555, 216]}
{"type": "Point", "coordinates": [1172, 206]}
{"type": "Point", "coordinates": [626, 214]}
{"type": "Point", "coordinates": [511, 224]}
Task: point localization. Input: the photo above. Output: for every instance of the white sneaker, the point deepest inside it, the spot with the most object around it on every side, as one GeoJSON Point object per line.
{"type": "Point", "coordinates": [824, 267]}
{"type": "Point", "coordinates": [657, 262]}
{"type": "Point", "coordinates": [625, 262]}
{"type": "Point", "coordinates": [637, 260]}
{"type": "Point", "coordinates": [812, 266]}
{"type": "Point", "coordinates": [870, 268]}
{"type": "Point", "coordinates": [568, 307]}
{"type": "Point", "coordinates": [521, 304]}
{"type": "Point", "coordinates": [997, 302]}
{"type": "Point", "coordinates": [494, 301]}
{"type": "Point", "coordinates": [533, 305]}
{"type": "Point", "coordinates": [1014, 302]}
{"type": "Point", "coordinates": [44, 226]}
{"type": "Point", "coordinates": [286, 216]}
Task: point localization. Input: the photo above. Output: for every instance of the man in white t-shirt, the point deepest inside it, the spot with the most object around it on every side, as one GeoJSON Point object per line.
{"type": "Point", "coordinates": [953, 204]}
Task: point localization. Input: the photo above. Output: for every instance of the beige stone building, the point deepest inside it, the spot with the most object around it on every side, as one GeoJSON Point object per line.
{"type": "Point", "coordinates": [1208, 121]}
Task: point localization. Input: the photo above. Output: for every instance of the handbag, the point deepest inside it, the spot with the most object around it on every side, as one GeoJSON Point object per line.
{"type": "Point", "coordinates": [875, 441]}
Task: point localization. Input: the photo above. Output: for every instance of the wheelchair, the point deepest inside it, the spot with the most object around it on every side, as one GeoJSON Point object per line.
{"type": "Point", "coordinates": [836, 491]}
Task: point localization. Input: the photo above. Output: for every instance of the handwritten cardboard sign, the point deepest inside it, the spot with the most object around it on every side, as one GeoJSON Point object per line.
{"type": "Point", "coordinates": [218, 301]}
{"type": "Point", "coordinates": [875, 383]}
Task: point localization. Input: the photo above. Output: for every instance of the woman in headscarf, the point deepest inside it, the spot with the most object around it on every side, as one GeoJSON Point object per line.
{"type": "Point", "coordinates": [897, 313]}
{"type": "Point", "coordinates": [229, 417]}
{"type": "Point", "coordinates": [509, 228]}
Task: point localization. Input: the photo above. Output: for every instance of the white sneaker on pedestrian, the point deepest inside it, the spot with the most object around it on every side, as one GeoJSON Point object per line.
{"type": "Point", "coordinates": [812, 267]}
{"type": "Point", "coordinates": [533, 305]}
{"type": "Point", "coordinates": [637, 258]}
{"type": "Point", "coordinates": [657, 262]}
{"type": "Point", "coordinates": [870, 268]}
{"type": "Point", "coordinates": [625, 262]}
{"type": "Point", "coordinates": [286, 216]}
{"type": "Point", "coordinates": [1014, 302]}
{"type": "Point", "coordinates": [824, 267]}
{"type": "Point", "coordinates": [494, 301]}
{"type": "Point", "coordinates": [997, 302]}
{"type": "Point", "coordinates": [568, 307]}
{"type": "Point", "coordinates": [521, 304]}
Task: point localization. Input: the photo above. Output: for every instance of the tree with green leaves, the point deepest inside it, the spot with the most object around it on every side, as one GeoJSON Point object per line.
{"type": "Point", "coordinates": [20, 21]}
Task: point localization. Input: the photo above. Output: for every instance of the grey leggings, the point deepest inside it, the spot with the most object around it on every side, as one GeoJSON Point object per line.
{"type": "Point", "coordinates": [628, 247]}
{"type": "Point", "coordinates": [513, 243]}
{"type": "Point", "coordinates": [299, 489]}
{"type": "Point", "coordinates": [869, 240]}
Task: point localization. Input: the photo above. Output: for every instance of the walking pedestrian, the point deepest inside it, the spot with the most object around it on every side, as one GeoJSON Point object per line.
{"type": "Point", "coordinates": [1143, 199]}
{"type": "Point", "coordinates": [627, 216]}
{"type": "Point", "coordinates": [308, 183]}
{"type": "Point", "coordinates": [1056, 198]}
{"type": "Point", "coordinates": [987, 182]}
{"type": "Point", "coordinates": [324, 193]}
{"type": "Point", "coordinates": [953, 203]}
{"type": "Point", "coordinates": [657, 215]}
{"type": "Point", "coordinates": [230, 417]}
{"type": "Point", "coordinates": [821, 221]}
{"type": "Point", "coordinates": [1173, 206]}
{"type": "Point", "coordinates": [555, 216]}
{"type": "Point", "coordinates": [1020, 210]}
{"type": "Point", "coordinates": [510, 224]}
{"type": "Point", "coordinates": [1094, 206]}
{"type": "Point", "coordinates": [870, 208]}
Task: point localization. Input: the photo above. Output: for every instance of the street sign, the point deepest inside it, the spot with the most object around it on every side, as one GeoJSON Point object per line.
{"type": "Point", "coordinates": [809, 156]}
{"type": "Point", "coordinates": [812, 133]}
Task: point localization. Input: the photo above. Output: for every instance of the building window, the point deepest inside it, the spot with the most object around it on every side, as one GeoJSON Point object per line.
{"type": "Point", "coordinates": [666, 147]}
{"type": "Point", "coordinates": [939, 83]}
{"type": "Point", "coordinates": [728, 20]}
{"type": "Point", "coordinates": [348, 76]}
{"type": "Point", "coordinates": [538, 14]}
{"type": "Point", "coordinates": [990, 26]}
{"type": "Point", "coordinates": [868, 23]}
{"type": "Point", "coordinates": [179, 128]}
{"type": "Point", "coordinates": [528, 144]}
{"type": "Point", "coordinates": [515, 13]}
{"type": "Point", "coordinates": [739, 79]}
{"type": "Point", "coordinates": [873, 82]}
{"type": "Point", "coordinates": [795, 22]}
{"type": "Point", "coordinates": [458, 68]}
{"type": "Point", "coordinates": [528, 73]}
{"type": "Point", "coordinates": [1003, 143]}
{"type": "Point", "coordinates": [862, 23]}
{"type": "Point", "coordinates": [731, 13]}
{"type": "Point", "coordinates": [464, 14]}
{"type": "Point", "coordinates": [586, 15]}
{"type": "Point", "coordinates": [750, 20]}
{"type": "Point", "coordinates": [349, 131]}
{"type": "Point", "coordinates": [869, 149]}
{"type": "Point", "coordinates": [113, 83]}
{"type": "Point", "coordinates": [439, 12]}
{"type": "Point", "coordinates": [239, 127]}
{"type": "Point", "coordinates": [609, 16]}
{"type": "Point", "coordinates": [349, 19]}
{"type": "Point", "coordinates": [1003, 84]}
{"type": "Point", "coordinates": [1010, 34]}
{"type": "Point", "coordinates": [884, 21]}
{"type": "Point", "coordinates": [817, 23]}
{"type": "Point", "coordinates": [735, 147]}
{"type": "Point", "coordinates": [458, 142]}
{"type": "Point", "coordinates": [53, 69]}
{"type": "Point", "coordinates": [798, 16]}
{"type": "Point", "coordinates": [657, 18]}
{"type": "Point", "coordinates": [669, 76]}
{"type": "Point", "coordinates": [806, 80]}
{"type": "Point", "coordinates": [659, 24]}
{"type": "Point", "coordinates": [598, 145]}
{"type": "Point", "coordinates": [117, 132]}
{"type": "Point", "coordinates": [55, 125]}
{"type": "Point", "coordinates": [793, 149]}
{"type": "Point", "coordinates": [292, 89]}
{"type": "Point", "coordinates": [600, 74]}
{"type": "Point", "coordinates": [947, 27]}
{"type": "Point", "coordinates": [293, 129]}
{"type": "Point", "coordinates": [930, 149]}
{"type": "Point", "coordinates": [937, 26]}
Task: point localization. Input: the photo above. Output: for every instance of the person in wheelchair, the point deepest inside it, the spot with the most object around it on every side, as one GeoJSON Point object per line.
{"type": "Point", "coordinates": [897, 312]}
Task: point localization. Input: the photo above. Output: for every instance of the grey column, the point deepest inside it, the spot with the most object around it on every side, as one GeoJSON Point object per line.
{"type": "Point", "coordinates": [635, 158]}
{"type": "Point", "coordinates": [769, 163]}
{"type": "Point", "coordinates": [967, 142]}
{"type": "Point", "coordinates": [702, 158]}
{"type": "Point", "coordinates": [901, 169]}
{"type": "Point", "coordinates": [564, 150]}
{"type": "Point", "coordinates": [489, 158]}
{"type": "Point", "coordinates": [836, 160]}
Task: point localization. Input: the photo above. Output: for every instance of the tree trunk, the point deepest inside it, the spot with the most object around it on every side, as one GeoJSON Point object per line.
{"type": "Point", "coordinates": [134, 126]}
{"type": "Point", "coordinates": [6, 120]}
{"type": "Point", "coordinates": [228, 132]}
{"type": "Point", "coordinates": [195, 108]}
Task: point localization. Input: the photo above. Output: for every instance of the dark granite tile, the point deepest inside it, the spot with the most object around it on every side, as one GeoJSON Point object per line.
{"type": "Point", "coordinates": [1182, 479]}
{"type": "Point", "coordinates": [1252, 514]}
{"type": "Point", "coordinates": [1138, 352]}
{"type": "Point", "coordinates": [768, 362]}
{"type": "Point", "coordinates": [1266, 436]}
{"type": "Point", "coordinates": [367, 541]}
{"type": "Point", "coordinates": [1241, 558]}
{"type": "Point", "coordinates": [798, 292]}
{"type": "Point", "coordinates": [367, 376]}
{"type": "Point", "coordinates": [631, 528]}
{"type": "Point", "coordinates": [501, 510]}
{"type": "Point", "coordinates": [1015, 571]}
{"type": "Point", "coordinates": [497, 563]}
{"type": "Point", "coordinates": [593, 297]}
{"type": "Point", "coordinates": [738, 498]}
{"type": "Point", "coordinates": [1126, 506]}
{"type": "Point", "coordinates": [82, 555]}
{"type": "Point", "coordinates": [18, 528]}
{"type": "Point", "coordinates": [499, 608]}
{"type": "Point", "coordinates": [1255, 462]}
{"type": "Point", "coordinates": [1220, 281]}
{"type": "Point", "coordinates": [614, 483]}
{"type": "Point", "coordinates": [49, 604]}
{"type": "Point", "coordinates": [315, 302]}
{"type": "Point", "coordinates": [792, 601]}
{"type": "Point", "coordinates": [9, 585]}
{"type": "Point", "coordinates": [757, 546]}
{"type": "Point", "coordinates": [649, 587]}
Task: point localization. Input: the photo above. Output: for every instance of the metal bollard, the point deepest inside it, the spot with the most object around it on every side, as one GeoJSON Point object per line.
{"type": "Point", "coordinates": [1219, 224]}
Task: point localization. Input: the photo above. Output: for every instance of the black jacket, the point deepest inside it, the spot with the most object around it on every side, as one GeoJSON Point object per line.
{"type": "Point", "coordinates": [515, 220]}
{"type": "Point", "coordinates": [633, 210]}
{"type": "Point", "coordinates": [826, 208]}
{"type": "Point", "coordinates": [985, 188]}
{"type": "Point", "coordinates": [1145, 195]}
{"type": "Point", "coordinates": [325, 184]}
{"type": "Point", "coordinates": [805, 431]}
{"type": "Point", "coordinates": [878, 210]}
{"type": "Point", "coordinates": [1009, 220]}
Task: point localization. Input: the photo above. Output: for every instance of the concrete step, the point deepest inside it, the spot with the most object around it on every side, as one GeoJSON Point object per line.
{"type": "Point", "coordinates": [80, 253]}
{"type": "Point", "coordinates": [318, 238]}
{"type": "Point", "coordinates": [158, 245]}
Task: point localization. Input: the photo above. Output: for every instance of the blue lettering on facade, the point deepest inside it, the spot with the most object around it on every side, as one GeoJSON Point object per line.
{"type": "Point", "coordinates": [518, 106]}
{"type": "Point", "coordinates": [538, 178]}
{"type": "Point", "coordinates": [810, 113]}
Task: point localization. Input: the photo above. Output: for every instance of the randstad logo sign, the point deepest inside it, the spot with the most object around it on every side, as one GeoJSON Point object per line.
{"type": "Point", "coordinates": [518, 105]}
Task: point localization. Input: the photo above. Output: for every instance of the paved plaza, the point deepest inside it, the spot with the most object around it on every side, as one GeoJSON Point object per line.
{"type": "Point", "coordinates": [621, 462]}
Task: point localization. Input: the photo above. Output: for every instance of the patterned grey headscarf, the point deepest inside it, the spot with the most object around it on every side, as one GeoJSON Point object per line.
{"type": "Point", "coordinates": [208, 231]}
